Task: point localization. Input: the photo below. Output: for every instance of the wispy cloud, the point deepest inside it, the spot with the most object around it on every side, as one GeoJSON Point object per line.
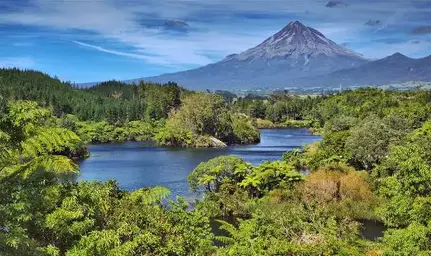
{"type": "Point", "coordinates": [124, 54]}
{"type": "Point", "coordinates": [23, 44]}
{"type": "Point", "coordinates": [391, 19]}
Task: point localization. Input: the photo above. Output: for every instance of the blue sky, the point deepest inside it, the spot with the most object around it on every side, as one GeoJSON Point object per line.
{"type": "Point", "coordinates": [94, 40]}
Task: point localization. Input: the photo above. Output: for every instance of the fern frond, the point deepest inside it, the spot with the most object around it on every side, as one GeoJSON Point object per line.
{"type": "Point", "coordinates": [8, 162]}
{"type": "Point", "coordinates": [4, 137]}
{"type": "Point", "coordinates": [23, 112]}
{"type": "Point", "coordinates": [150, 196]}
{"type": "Point", "coordinates": [9, 171]}
{"type": "Point", "coordinates": [225, 239]}
{"type": "Point", "coordinates": [5, 156]}
{"type": "Point", "coordinates": [49, 140]}
{"type": "Point", "coordinates": [231, 229]}
{"type": "Point", "coordinates": [52, 163]}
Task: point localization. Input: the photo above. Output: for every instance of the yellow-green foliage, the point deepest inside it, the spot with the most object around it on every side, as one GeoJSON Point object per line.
{"type": "Point", "coordinates": [32, 141]}
{"type": "Point", "coordinates": [174, 134]}
{"type": "Point", "coordinates": [203, 116]}
{"type": "Point", "coordinates": [298, 123]}
{"type": "Point", "coordinates": [343, 190]}
{"type": "Point", "coordinates": [269, 176]}
{"type": "Point", "coordinates": [102, 132]}
{"type": "Point", "coordinates": [243, 129]}
{"type": "Point", "coordinates": [221, 169]}
{"type": "Point", "coordinates": [263, 123]}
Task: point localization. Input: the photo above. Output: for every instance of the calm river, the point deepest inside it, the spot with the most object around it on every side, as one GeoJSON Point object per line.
{"type": "Point", "coordinates": [140, 164]}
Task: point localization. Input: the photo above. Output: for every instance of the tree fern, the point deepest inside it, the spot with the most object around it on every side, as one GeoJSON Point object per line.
{"type": "Point", "coordinates": [23, 112]}
{"type": "Point", "coordinates": [55, 164]}
{"type": "Point", "coordinates": [231, 229]}
{"type": "Point", "coordinates": [29, 143]}
{"type": "Point", "coordinates": [4, 137]}
{"type": "Point", "coordinates": [150, 196]}
{"type": "Point", "coordinates": [49, 140]}
{"type": "Point", "coordinates": [225, 239]}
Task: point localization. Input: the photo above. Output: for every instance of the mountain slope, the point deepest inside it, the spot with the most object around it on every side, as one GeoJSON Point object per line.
{"type": "Point", "coordinates": [294, 52]}
{"type": "Point", "coordinates": [296, 40]}
{"type": "Point", "coordinates": [396, 68]}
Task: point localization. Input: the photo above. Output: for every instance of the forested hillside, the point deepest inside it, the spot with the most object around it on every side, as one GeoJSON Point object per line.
{"type": "Point", "coordinates": [111, 101]}
{"type": "Point", "coordinates": [115, 111]}
{"type": "Point", "coordinates": [373, 164]}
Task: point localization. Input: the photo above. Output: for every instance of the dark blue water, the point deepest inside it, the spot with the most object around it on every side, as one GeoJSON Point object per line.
{"type": "Point", "coordinates": [141, 164]}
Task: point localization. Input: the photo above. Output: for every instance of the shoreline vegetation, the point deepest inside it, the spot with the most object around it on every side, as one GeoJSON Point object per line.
{"type": "Point", "coordinates": [267, 124]}
{"type": "Point", "coordinates": [373, 163]}
{"type": "Point", "coordinates": [309, 124]}
{"type": "Point", "coordinates": [115, 111]}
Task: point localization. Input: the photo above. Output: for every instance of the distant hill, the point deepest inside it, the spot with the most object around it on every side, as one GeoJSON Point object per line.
{"type": "Point", "coordinates": [396, 68]}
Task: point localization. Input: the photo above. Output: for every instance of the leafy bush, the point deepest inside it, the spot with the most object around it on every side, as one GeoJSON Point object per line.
{"type": "Point", "coordinates": [203, 116]}
{"type": "Point", "coordinates": [174, 134]}
{"type": "Point", "coordinates": [243, 130]}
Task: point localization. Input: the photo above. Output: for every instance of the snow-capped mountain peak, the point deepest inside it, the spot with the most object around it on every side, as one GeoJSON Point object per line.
{"type": "Point", "coordinates": [296, 40]}
{"type": "Point", "coordinates": [293, 53]}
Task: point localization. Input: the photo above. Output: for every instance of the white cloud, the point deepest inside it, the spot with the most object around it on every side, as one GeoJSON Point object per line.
{"type": "Point", "coordinates": [93, 15]}
{"type": "Point", "coordinates": [122, 24]}
{"type": "Point", "coordinates": [218, 28]}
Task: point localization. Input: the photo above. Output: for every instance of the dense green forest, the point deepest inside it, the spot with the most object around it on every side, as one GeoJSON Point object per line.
{"type": "Point", "coordinates": [111, 101]}
{"type": "Point", "coordinates": [115, 111]}
{"type": "Point", "coordinates": [373, 163]}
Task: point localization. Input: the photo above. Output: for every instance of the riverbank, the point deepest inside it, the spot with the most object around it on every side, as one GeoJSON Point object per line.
{"type": "Point", "coordinates": [267, 124]}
